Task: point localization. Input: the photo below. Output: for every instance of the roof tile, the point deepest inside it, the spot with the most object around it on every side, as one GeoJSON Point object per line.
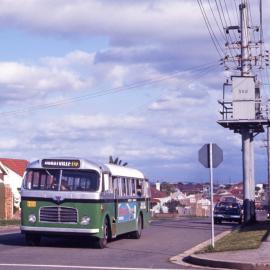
{"type": "Point", "coordinates": [16, 165]}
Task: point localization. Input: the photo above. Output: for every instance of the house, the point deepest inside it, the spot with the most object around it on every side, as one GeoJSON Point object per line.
{"type": "Point", "coordinates": [158, 198]}
{"type": "Point", "coordinates": [11, 173]}
{"type": "Point", "coordinates": [190, 188]}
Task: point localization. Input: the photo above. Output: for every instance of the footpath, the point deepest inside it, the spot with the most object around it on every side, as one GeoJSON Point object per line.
{"type": "Point", "coordinates": [251, 259]}
{"type": "Point", "coordinates": [9, 228]}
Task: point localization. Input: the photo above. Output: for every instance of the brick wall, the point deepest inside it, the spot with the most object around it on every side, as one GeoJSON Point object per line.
{"type": "Point", "coordinates": [6, 202]}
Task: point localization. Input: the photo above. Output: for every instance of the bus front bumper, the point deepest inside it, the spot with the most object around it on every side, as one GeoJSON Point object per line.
{"type": "Point", "coordinates": [49, 230]}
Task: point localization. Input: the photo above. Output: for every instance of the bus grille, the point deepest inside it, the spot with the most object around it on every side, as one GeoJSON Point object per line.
{"type": "Point", "coordinates": [58, 215]}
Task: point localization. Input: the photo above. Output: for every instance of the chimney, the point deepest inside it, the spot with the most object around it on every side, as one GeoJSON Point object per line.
{"type": "Point", "coordinates": [158, 185]}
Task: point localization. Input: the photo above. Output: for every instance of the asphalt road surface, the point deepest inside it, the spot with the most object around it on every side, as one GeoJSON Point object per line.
{"type": "Point", "coordinates": [160, 241]}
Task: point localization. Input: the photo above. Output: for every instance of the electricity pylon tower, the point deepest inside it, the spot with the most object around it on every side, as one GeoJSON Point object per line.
{"type": "Point", "coordinates": [243, 112]}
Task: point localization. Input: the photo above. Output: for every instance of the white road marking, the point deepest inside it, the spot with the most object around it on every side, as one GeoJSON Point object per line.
{"type": "Point", "coordinates": [76, 266]}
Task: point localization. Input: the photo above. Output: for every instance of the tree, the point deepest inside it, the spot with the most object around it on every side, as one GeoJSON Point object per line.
{"type": "Point", "coordinates": [167, 187]}
{"type": "Point", "coordinates": [172, 205]}
{"type": "Point", "coordinates": [117, 161]}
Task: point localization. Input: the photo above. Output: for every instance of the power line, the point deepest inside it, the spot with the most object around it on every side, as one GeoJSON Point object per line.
{"type": "Point", "coordinates": [236, 11]}
{"type": "Point", "coordinates": [210, 30]}
{"type": "Point", "coordinates": [229, 17]}
{"type": "Point", "coordinates": [217, 23]}
{"type": "Point", "coordinates": [199, 75]}
{"type": "Point", "coordinates": [105, 92]}
{"type": "Point", "coordinates": [225, 24]}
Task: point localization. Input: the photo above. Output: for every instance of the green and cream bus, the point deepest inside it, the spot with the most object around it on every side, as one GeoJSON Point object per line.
{"type": "Point", "coordinates": [74, 196]}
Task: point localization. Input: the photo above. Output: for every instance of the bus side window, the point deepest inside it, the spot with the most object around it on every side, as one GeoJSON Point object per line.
{"type": "Point", "coordinates": [133, 187]}
{"type": "Point", "coordinates": [139, 187]}
{"type": "Point", "coordinates": [107, 183]}
{"type": "Point", "coordinates": [115, 186]}
{"type": "Point", "coordinates": [146, 189]}
{"type": "Point", "coordinates": [129, 192]}
{"type": "Point", "coordinates": [124, 186]}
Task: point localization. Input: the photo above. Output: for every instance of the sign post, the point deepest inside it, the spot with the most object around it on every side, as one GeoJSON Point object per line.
{"type": "Point", "coordinates": [210, 156]}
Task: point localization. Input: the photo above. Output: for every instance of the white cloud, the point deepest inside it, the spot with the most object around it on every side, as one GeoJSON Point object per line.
{"type": "Point", "coordinates": [74, 58]}
{"type": "Point", "coordinates": [103, 121]}
{"type": "Point", "coordinates": [137, 18]}
{"type": "Point", "coordinates": [19, 81]}
{"type": "Point", "coordinates": [8, 144]}
{"type": "Point", "coordinates": [147, 41]}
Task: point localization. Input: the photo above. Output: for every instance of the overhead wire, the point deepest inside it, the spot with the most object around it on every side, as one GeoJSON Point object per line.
{"type": "Point", "coordinates": [250, 19]}
{"type": "Point", "coordinates": [262, 44]}
{"type": "Point", "coordinates": [201, 73]}
{"type": "Point", "coordinates": [234, 34]}
{"type": "Point", "coordinates": [144, 107]}
{"type": "Point", "coordinates": [219, 9]}
{"type": "Point", "coordinates": [229, 17]}
{"type": "Point", "coordinates": [221, 31]}
{"type": "Point", "coordinates": [237, 11]}
{"type": "Point", "coordinates": [217, 22]}
{"type": "Point", "coordinates": [103, 92]}
{"type": "Point", "coordinates": [226, 23]}
{"type": "Point", "coordinates": [214, 39]}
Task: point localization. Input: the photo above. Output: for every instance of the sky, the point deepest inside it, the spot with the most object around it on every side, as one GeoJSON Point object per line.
{"type": "Point", "coordinates": [138, 80]}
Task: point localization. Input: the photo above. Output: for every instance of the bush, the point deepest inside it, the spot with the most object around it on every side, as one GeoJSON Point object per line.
{"type": "Point", "coordinates": [172, 205]}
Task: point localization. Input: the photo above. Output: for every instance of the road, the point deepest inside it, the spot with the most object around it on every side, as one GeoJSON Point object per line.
{"type": "Point", "coordinates": [162, 240]}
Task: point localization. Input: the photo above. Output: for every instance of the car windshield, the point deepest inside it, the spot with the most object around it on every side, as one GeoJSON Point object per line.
{"type": "Point", "coordinates": [71, 180]}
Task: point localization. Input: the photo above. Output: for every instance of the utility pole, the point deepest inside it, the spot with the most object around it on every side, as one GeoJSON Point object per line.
{"type": "Point", "coordinates": [243, 113]}
{"type": "Point", "coordinates": [246, 133]}
{"type": "Point", "coordinates": [268, 170]}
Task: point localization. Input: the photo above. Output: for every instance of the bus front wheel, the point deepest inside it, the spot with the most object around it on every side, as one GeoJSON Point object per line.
{"type": "Point", "coordinates": [102, 242]}
{"type": "Point", "coordinates": [32, 239]}
{"type": "Point", "coordinates": [137, 234]}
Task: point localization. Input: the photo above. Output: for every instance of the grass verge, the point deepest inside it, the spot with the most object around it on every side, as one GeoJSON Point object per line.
{"type": "Point", "coordinates": [246, 237]}
{"type": "Point", "coordinates": [9, 222]}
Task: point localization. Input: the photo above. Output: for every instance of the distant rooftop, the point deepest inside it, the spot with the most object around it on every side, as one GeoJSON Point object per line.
{"type": "Point", "coordinates": [16, 165]}
{"type": "Point", "coordinates": [157, 193]}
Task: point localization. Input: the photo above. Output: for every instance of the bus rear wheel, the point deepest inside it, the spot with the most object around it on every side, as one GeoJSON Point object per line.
{"type": "Point", "coordinates": [102, 242]}
{"type": "Point", "coordinates": [138, 233]}
{"type": "Point", "coordinates": [32, 239]}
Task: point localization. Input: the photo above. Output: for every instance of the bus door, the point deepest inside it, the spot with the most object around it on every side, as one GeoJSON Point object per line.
{"type": "Point", "coordinates": [115, 205]}
{"type": "Point", "coordinates": [109, 191]}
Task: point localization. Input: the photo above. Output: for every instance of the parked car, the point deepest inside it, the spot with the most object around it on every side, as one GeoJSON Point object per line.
{"type": "Point", "coordinates": [228, 211]}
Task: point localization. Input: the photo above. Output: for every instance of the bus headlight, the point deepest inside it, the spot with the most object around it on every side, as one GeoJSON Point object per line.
{"type": "Point", "coordinates": [85, 220]}
{"type": "Point", "coordinates": [32, 218]}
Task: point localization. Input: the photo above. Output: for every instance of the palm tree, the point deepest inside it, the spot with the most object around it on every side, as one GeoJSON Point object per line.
{"type": "Point", "coordinates": [117, 161]}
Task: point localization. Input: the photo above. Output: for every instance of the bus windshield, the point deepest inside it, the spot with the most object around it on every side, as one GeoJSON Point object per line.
{"type": "Point", "coordinates": [71, 180]}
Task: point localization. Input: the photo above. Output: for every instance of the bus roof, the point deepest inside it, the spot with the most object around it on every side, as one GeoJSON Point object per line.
{"type": "Point", "coordinates": [84, 164]}
{"type": "Point", "coordinates": [117, 170]}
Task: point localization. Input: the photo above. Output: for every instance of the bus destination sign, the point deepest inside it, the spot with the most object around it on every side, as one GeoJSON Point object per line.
{"type": "Point", "coordinates": [61, 163]}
